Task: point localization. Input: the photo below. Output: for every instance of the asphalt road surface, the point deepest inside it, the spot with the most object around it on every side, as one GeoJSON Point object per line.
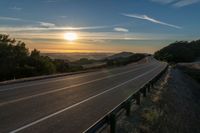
{"type": "Point", "coordinates": [70, 104]}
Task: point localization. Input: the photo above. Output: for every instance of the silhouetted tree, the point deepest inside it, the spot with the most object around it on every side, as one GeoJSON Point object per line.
{"type": "Point", "coordinates": [61, 65]}
{"type": "Point", "coordinates": [182, 51]}
{"type": "Point", "coordinates": [16, 61]}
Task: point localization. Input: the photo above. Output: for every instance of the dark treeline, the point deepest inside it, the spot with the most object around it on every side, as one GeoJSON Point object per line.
{"type": "Point", "coordinates": [181, 51]}
{"type": "Point", "coordinates": [17, 62]}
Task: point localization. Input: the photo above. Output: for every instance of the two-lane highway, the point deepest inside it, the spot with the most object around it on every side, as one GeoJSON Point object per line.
{"type": "Point", "coordinates": [72, 103]}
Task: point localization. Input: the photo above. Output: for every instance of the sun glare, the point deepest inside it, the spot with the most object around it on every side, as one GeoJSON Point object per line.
{"type": "Point", "coordinates": [70, 36]}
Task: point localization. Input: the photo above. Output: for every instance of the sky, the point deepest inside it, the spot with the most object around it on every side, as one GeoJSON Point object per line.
{"type": "Point", "coordinates": [100, 25]}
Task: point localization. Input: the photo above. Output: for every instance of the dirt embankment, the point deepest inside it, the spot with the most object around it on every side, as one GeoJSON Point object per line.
{"type": "Point", "coordinates": [173, 106]}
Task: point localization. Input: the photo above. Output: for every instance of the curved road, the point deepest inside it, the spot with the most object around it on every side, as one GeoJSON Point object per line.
{"type": "Point", "coordinates": [71, 103]}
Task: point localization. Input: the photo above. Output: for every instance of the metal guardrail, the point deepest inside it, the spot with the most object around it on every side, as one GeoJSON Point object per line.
{"type": "Point", "coordinates": [110, 117]}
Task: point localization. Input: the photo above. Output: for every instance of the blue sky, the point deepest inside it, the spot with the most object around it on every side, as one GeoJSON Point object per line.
{"type": "Point", "coordinates": [101, 25]}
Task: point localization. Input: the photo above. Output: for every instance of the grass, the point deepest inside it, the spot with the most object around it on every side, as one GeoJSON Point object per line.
{"type": "Point", "coordinates": [151, 115]}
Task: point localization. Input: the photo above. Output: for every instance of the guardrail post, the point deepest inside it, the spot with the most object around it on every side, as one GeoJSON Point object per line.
{"type": "Point", "coordinates": [128, 107]}
{"type": "Point", "coordinates": [112, 123]}
{"type": "Point", "coordinates": [137, 97]}
{"type": "Point", "coordinates": [149, 87]}
{"type": "Point", "coordinates": [144, 91]}
{"type": "Point", "coordinates": [151, 84]}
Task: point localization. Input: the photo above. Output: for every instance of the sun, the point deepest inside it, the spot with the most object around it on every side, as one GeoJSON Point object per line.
{"type": "Point", "coordinates": [70, 36]}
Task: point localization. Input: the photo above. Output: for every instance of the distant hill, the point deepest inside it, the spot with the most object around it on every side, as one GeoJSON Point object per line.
{"type": "Point", "coordinates": [124, 58]}
{"type": "Point", "coordinates": [120, 55]}
{"type": "Point", "coordinates": [181, 51]}
{"type": "Point", "coordinates": [77, 56]}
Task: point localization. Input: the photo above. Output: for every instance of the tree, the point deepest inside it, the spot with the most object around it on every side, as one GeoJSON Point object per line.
{"type": "Point", "coordinates": [35, 53]}
{"type": "Point", "coordinates": [182, 51]}
{"type": "Point", "coordinates": [61, 65]}
{"type": "Point", "coordinates": [17, 62]}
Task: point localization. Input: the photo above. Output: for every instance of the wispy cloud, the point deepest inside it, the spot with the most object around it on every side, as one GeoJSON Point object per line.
{"type": "Point", "coordinates": [183, 3]}
{"type": "Point", "coordinates": [16, 8]}
{"type": "Point", "coordinates": [145, 17]}
{"type": "Point", "coordinates": [48, 27]}
{"type": "Point", "coordinates": [62, 16]}
{"type": "Point", "coordinates": [120, 29]}
{"type": "Point", "coordinates": [83, 27]}
{"type": "Point", "coordinates": [177, 3]}
{"type": "Point", "coordinates": [51, 1]}
{"type": "Point", "coordinates": [163, 1]}
{"type": "Point", "coordinates": [40, 25]}
{"type": "Point", "coordinates": [45, 24]}
{"type": "Point", "coordinates": [10, 18]}
{"type": "Point", "coordinates": [83, 35]}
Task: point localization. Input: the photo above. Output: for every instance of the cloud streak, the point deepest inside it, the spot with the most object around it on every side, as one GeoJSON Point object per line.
{"type": "Point", "coordinates": [40, 26]}
{"type": "Point", "coordinates": [49, 36]}
{"type": "Point", "coordinates": [15, 8]}
{"type": "Point", "coordinates": [10, 18]}
{"type": "Point", "coordinates": [163, 1]}
{"type": "Point", "coordinates": [177, 3]}
{"type": "Point", "coordinates": [49, 27]}
{"type": "Point", "coordinates": [45, 24]}
{"type": "Point", "coordinates": [145, 17]}
{"type": "Point", "coordinates": [120, 29]}
{"type": "Point", "coordinates": [50, 1]}
{"type": "Point", "coordinates": [183, 3]}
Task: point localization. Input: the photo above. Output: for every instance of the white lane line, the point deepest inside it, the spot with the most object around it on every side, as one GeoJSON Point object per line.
{"type": "Point", "coordinates": [64, 88]}
{"type": "Point", "coordinates": [52, 81]}
{"type": "Point", "coordinates": [74, 105]}
{"type": "Point", "coordinates": [49, 81]}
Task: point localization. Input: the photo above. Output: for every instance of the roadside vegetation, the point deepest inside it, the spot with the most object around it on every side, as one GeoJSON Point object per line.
{"type": "Point", "coordinates": [18, 62]}
{"type": "Point", "coordinates": [180, 51]}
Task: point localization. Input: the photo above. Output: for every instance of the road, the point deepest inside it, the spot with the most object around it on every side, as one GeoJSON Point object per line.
{"type": "Point", "coordinates": [70, 104]}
